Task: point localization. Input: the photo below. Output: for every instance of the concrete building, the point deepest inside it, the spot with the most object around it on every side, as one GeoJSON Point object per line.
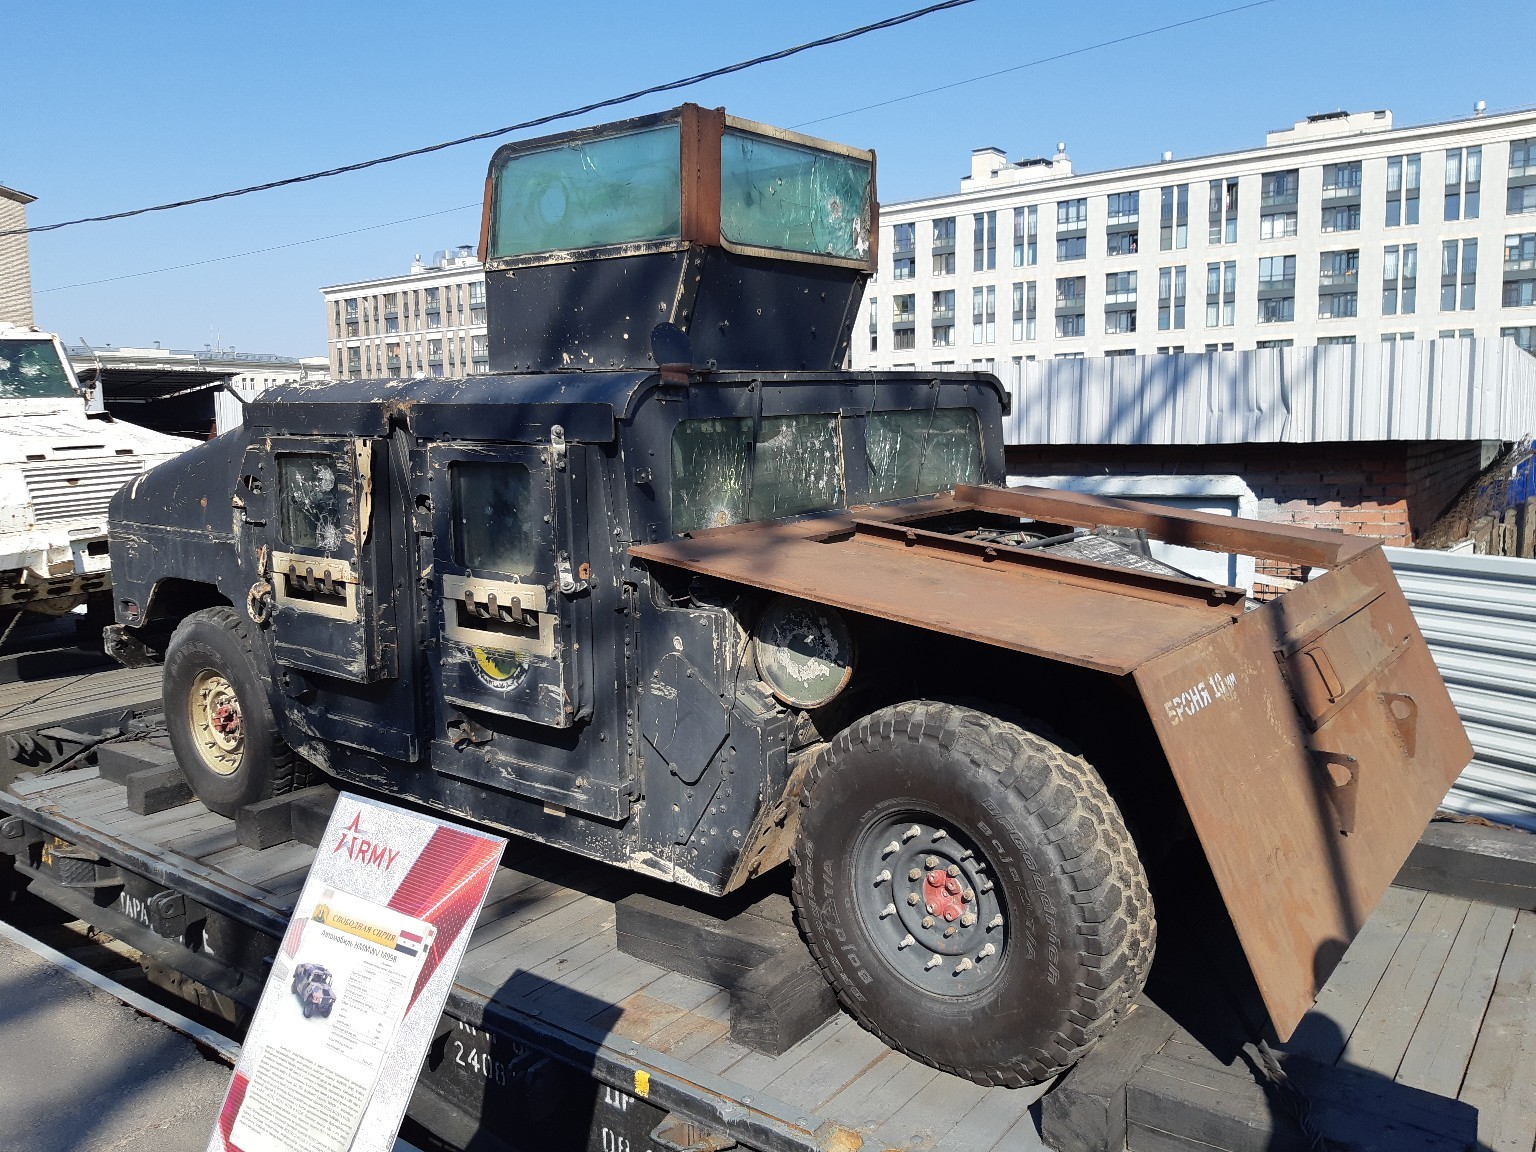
{"type": "Point", "coordinates": [1340, 230]}
{"type": "Point", "coordinates": [429, 322]}
{"type": "Point", "coordinates": [15, 264]}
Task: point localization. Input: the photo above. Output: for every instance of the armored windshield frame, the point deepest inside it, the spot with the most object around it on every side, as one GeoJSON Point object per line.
{"type": "Point", "coordinates": [701, 133]}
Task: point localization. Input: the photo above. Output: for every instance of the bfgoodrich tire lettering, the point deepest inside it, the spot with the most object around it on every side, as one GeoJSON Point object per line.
{"type": "Point", "coordinates": [217, 669]}
{"type": "Point", "coordinates": [971, 891]}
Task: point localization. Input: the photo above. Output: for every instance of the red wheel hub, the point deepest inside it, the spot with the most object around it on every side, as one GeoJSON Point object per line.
{"type": "Point", "coordinates": [226, 719]}
{"type": "Point", "coordinates": [944, 895]}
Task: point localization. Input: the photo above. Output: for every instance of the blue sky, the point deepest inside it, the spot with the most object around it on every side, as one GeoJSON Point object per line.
{"type": "Point", "coordinates": [115, 105]}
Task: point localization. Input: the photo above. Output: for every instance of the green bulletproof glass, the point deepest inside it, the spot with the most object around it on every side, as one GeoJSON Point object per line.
{"type": "Point", "coordinates": [614, 190]}
{"type": "Point", "coordinates": [918, 453]}
{"type": "Point", "coordinates": [721, 476]}
{"type": "Point", "coordinates": [31, 370]}
{"type": "Point", "coordinates": [791, 198]}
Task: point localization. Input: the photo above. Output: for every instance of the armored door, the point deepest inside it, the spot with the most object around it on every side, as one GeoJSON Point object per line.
{"type": "Point", "coordinates": [319, 555]}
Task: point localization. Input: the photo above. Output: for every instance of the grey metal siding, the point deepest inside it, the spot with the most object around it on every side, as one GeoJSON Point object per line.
{"type": "Point", "coordinates": [1478, 614]}
{"type": "Point", "coordinates": [1422, 390]}
{"type": "Point", "coordinates": [15, 270]}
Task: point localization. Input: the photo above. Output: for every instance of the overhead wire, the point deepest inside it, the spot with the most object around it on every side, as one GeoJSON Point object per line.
{"type": "Point", "coordinates": [257, 251]}
{"type": "Point", "coordinates": [1037, 63]}
{"type": "Point", "coordinates": [491, 134]}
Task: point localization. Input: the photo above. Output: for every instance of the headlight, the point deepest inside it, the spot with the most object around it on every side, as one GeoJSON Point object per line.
{"type": "Point", "coordinates": [803, 651]}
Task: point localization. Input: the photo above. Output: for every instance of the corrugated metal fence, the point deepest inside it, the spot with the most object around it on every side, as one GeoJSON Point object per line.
{"type": "Point", "coordinates": [1421, 390]}
{"type": "Point", "coordinates": [1478, 614]}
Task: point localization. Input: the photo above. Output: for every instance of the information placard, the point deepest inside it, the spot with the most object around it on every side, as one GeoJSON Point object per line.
{"type": "Point", "coordinates": [359, 984]}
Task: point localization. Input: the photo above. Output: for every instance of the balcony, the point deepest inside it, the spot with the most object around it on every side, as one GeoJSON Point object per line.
{"type": "Point", "coordinates": [940, 247]}
{"type": "Point", "coordinates": [943, 316]}
{"type": "Point", "coordinates": [1347, 280]}
{"type": "Point", "coordinates": [1279, 200]}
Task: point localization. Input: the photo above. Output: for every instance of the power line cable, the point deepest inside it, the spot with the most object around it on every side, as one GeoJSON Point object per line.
{"type": "Point", "coordinates": [256, 251]}
{"type": "Point", "coordinates": [1037, 63]}
{"type": "Point", "coordinates": [670, 86]}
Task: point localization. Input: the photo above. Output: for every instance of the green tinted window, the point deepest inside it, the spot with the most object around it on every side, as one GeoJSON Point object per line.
{"type": "Point", "coordinates": [617, 190]}
{"type": "Point", "coordinates": [719, 476]}
{"type": "Point", "coordinates": [30, 369]}
{"type": "Point", "coordinates": [794, 199]}
{"type": "Point", "coordinates": [919, 453]}
{"type": "Point", "coordinates": [493, 517]}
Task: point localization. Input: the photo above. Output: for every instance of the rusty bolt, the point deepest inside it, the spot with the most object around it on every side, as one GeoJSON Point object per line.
{"type": "Point", "coordinates": [911, 899]}
{"type": "Point", "coordinates": [953, 869]}
{"type": "Point", "coordinates": [928, 921]}
{"type": "Point", "coordinates": [967, 920]}
{"type": "Point", "coordinates": [968, 895]}
{"type": "Point", "coordinates": [931, 862]}
{"type": "Point", "coordinates": [915, 874]}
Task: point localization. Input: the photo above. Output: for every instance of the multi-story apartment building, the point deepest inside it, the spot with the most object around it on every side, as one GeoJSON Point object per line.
{"type": "Point", "coordinates": [429, 322]}
{"type": "Point", "coordinates": [1341, 229]}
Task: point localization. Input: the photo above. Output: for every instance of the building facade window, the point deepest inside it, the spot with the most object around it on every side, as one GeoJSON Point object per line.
{"type": "Point", "coordinates": [984, 315]}
{"type": "Point", "coordinates": [1223, 211]}
{"type": "Point", "coordinates": [1524, 336]}
{"type": "Point", "coordinates": [1277, 225]}
{"type": "Point", "coordinates": [984, 242]}
{"type": "Point", "coordinates": [943, 318]}
{"type": "Point", "coordinates": [1221, 294]}
{"type": "Point", "coordinates": [1123, 227]}
{"type": "Point", "coordinates": [1399, 279]}
{"type": "Point", "coordinates": [1018, 311]}
{"type": "Point", "coordinates": [1282, 343]}
{"type": "Point", "coordinates": [1458, 275]}
{"type": "Point", "coordinates": [1171, 296]}
{"type": "Point", "coordinates": [1402, 190]}
{"type": "Point", "coordinates": [1341, 181]}
{"type": "Point", "coordinates": [904, 252]}
{"type": "Point", "coordinates": [1277, 289]}
{"type": "Point", "coordinates": [1026, 236]}
{"type": "Point", "coordinates": [874, 323]}
{"type": "Point", "coordinates": [1341, 218]}
{"type": "Point", "coordinates": [1463, 183]}
{"type": "Point", "coordinates": [1520, 270]}
{"type": "Point", "coordinates": [1071, 302]}
{"type": "Point", "coordinates": [1029, 311]}
{"type": "Point", "coordinates": [1338, 284]}
{"type": "Point", "coordinates": [943, 249]}
{"type": "Point", "coordinates": [1173, 218]}
{"type": "Point", "coordinates": [1072, 229]}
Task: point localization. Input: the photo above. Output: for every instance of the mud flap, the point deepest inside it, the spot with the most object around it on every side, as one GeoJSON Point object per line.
{"type": "Point", "coordinates": [1311, 742]}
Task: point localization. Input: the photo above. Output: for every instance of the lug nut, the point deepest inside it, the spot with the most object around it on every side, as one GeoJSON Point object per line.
{"type": "Point", "coordinates": [931, 862]}
{"type": "Point", "coordinates": [889, 848]}
{"type": "Point", "coordinates": [933, 962]}
{"type": "Point", "coordinates": [951, 915]}
{"type": "Point", "coordinates": [914, 874]}
{"type": "Point", "coordinates": [883, 877]}
{"type": "Point", "coordinates": [964, 966]}
{"type": "Point", "coordinates": [968, 895]}
{"type": "Point", "coordinates": [989, 950]}
{"type": "Point", "coordinates": [888, 910]}
{"type": "Point", "coordinates": [967, 854]}
{"type": "Point", "coordinates": [995, 922]}
{"type": "Point", "coordinates": [927, 921]}
{"type": "Point", "coordinates": [928, 907]}
{"type": "Point", "coordinates": [911, 899]}
{"type": "Point", "coordinates": [940, 834]}
{"type": "Point", "coordinates": [967, 920]}
{"type": "Point", "coordinates": [948, 932]}
{"type": "Point", "coordinates": [905, 941]}
{"type": "Point", "coordinates": [953, 869]}
{"type": "Point", "coordinates": [910, 832]}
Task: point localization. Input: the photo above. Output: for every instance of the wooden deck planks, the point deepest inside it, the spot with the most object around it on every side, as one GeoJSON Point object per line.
{"type": "Point", "coordinates": [885, 1088]}
{"type": "Point", "coordinates": [1395, 1008]}
{"type": "Point", "coordinates": [1325, 1030]}
{"type": "Point", "coordinates": [1500, 1082]}
{"type": "Point", "coordinates": [1437, 1056]}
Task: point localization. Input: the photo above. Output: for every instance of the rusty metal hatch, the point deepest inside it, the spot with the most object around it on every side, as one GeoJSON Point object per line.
{"type": "Point", "coordinates": [1311, 738]}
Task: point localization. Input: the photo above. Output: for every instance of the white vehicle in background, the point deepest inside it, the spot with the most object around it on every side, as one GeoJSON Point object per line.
{"type": "Point", "coordinates": [59, 467]}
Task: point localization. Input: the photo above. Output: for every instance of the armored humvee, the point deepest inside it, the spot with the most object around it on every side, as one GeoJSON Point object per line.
{"type": "Point", "coordinates": [670, 589]}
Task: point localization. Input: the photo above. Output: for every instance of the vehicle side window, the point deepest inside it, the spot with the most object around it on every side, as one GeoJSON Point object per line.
{"type": "Point", "coordinates": [917, 453]}
{"type": "Point", "coordinates": [493, 517]}
{"type": "Point", "coordinates": [720, 477]}
{"type": "Point", "coordinates": [310, 501]}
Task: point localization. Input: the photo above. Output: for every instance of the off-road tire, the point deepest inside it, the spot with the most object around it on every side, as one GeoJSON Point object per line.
{"type": "Point", "coordinates": [219, 640]}
{"type": "Point", "coordinates": [1066, 875]}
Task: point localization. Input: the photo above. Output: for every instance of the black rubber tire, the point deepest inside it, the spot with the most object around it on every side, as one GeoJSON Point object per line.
{"type": "Point", "coordinates": [1066, 870]}
{"type": "Point", "coordinates": [220, 640]}
{"type": "Point", "coordinates": [309, 1009]}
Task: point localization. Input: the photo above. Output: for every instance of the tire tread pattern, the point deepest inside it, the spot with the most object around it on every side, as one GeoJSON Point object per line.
{"type": "Point", "coordinates": [1088, 839]}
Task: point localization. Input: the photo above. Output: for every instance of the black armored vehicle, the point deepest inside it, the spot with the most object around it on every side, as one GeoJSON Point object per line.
{"type": "Point", "coordinates": [672, 589]}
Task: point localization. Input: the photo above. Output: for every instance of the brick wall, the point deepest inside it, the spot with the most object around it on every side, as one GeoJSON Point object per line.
{"type": "Point", "coordinates": [1392, 490]}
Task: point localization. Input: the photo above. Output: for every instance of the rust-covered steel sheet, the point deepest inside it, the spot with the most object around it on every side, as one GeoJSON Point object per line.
{"type": "Point", "coordinates": [1311, 738]}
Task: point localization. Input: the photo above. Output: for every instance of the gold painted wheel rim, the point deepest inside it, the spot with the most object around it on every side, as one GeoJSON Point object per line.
{"type": "Point", "coordinates": [218, 729]}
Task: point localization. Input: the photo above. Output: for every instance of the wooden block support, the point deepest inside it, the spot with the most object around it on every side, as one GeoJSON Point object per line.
{"type": "Point", "coordinates": [1493, 865]}
{"type": "Point", "coordinates": [119, 761]}
{"type": "Point", "coordinates": [152, 790]}
{"type": "Point", "coordinates": [265, 824]}
{"type": "Point", "coordinates": [311, 808]}
{"type": "Point", "coordinates": [779, 1003]}
{"type": "Point", "coordinates": [1085, 1112]}
{"type": "Point", "coordinates": [778, 996]}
